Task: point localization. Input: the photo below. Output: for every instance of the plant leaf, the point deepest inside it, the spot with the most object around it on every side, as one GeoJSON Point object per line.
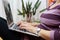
{"type": "Point", "coordinates": [42, 10]}
{"type": "Point", "coordinates": [23, 7]}
{"type": "Point", "coordinates": [36, 4]}
{"type": "Point", "coordinates": [20, 13]}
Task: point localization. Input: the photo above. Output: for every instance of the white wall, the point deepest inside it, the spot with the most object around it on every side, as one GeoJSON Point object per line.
{"type": "Point", "coordinates": [2, 12]}
{"type": "Point", "coordinates": [16, 4]}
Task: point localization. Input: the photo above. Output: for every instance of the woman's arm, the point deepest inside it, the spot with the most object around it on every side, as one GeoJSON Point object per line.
{"type": "Point", "coordinates": [42, 33]}
{"type": "Point", "coordinates": [46, 34]}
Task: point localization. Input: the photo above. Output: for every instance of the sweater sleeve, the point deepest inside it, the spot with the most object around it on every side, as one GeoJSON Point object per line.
{"type": "Point", "coordinates": [57, 35]}
{"type": "Point", "coordinates": [52, 35]}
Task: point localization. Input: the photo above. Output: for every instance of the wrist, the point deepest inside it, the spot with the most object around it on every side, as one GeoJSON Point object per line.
{"type": "Point", "coordinates": [36, 31]}
{"type": "Point", "coordinates": [33, 30]}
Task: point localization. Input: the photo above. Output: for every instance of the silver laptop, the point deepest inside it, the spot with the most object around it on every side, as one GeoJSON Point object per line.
{"type": "Point", "coordinates": [11, 24]}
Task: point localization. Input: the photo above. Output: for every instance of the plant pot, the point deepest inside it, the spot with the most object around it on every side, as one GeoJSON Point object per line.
{"type": "Point", "coordinates": [28, 17]}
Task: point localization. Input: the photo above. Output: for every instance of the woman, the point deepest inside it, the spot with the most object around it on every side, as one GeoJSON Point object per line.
{"type": "Point", "coordinates": [50, 23]}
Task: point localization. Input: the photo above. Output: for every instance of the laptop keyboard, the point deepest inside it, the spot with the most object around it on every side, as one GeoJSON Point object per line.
{"type": "Point", "coordinates": [16, 28]}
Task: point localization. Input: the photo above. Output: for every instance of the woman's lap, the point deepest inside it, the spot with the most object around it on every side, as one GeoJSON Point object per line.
{"type": "Point", "coordinates": [7, 34]}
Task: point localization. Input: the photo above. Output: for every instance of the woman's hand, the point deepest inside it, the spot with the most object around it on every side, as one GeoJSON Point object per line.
{"type": "Point", "coordinates": [31, 27]}
{"type": "Point", "coordinates": [43, 33]}
{"type": "Point", "coordinates": [28, 27]}
{"type": "Point", "coordinates": [33, 24]}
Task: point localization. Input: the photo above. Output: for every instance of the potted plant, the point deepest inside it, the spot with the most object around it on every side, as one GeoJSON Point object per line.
{"type": "Point", "coordinates": [28, 10]}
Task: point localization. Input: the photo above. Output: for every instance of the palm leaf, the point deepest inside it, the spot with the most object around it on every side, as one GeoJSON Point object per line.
{"type": "Point", "coordinates": [36, 4]}
{"type": "Point", "coordinates": [42, 10]}
{"type": "Point", "coordinates": [20, 13]}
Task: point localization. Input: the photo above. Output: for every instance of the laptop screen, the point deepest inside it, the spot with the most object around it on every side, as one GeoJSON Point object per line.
{"type": "Point", "coordinates": [8, 12]}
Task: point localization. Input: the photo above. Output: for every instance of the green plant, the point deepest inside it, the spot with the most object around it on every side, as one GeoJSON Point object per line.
{"type": "Point", "coordinates": [28, 9]}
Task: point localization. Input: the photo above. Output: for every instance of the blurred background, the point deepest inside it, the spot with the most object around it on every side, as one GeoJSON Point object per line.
{"type": "Point", "coordinates": [16, 4]}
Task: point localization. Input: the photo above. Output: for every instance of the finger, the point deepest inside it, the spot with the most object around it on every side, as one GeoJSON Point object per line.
{"type": "Point", "coordinates": [19, 22]}
{"type": "Point", "coordinates": [22, 24]}
{"type": "Point", "coordinates": [22, 27]}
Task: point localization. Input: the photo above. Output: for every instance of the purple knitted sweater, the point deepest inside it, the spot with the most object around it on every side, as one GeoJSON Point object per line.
{"type": "Point", "coordinates": [50, 20]}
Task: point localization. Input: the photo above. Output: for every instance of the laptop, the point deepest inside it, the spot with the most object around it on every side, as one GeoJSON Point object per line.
{"type": "Point", "coordinates": [11, 24]}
